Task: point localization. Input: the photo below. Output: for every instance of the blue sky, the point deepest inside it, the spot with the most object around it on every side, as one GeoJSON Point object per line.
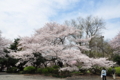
{"type": "Point", "coordinates": [22, 17]}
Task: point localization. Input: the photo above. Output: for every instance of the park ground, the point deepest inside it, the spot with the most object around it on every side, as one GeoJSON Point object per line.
{"type": "Point", "coordinates": [5, 76]}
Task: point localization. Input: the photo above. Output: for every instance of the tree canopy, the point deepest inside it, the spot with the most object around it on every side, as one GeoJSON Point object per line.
{"type": "Point", "coordinates": [115, 43]}
{"type": "Point", "coordinates": [58, 41]}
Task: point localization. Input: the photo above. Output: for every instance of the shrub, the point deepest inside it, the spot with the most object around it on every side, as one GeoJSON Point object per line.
{"type": "Point", "coordinates": [95, 70]}
{"type": "Point", "coordinates": [116, 58]}
{"type": "Point", "coordinates": [56, 71]}
{"type": "Point", "coordinates": [45, 71]}
{"type": "Point", "coordinates": [56, 67]}
{"type": "Point", "coordinates": [29, 69]}
{"type": "Point", "coordinates": [76, 73]}
{"type": "Point", "coordinates": [21, 72]}
{"type": "Point", "coordinates": [65, 74]}
{"type": "Point", "coordinates": [88, 72]}
{"type": "Point", "coordinates": [12, 70]}
{"type": "Point", "coordinates": [50, 69]}
{"type": "Point", "coordinates": [62, 74]}
{"type": "Point", "coordinates": [83, 71]}
{"type": "Point", "coordinates": [39, 70]}
{"type": "Point", "coordinates": [109, 71]}
{"type": "Point", "coordinates": [117, 71]}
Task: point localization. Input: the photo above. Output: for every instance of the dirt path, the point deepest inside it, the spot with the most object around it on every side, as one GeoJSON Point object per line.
{"type": "Point", "coordinates": [4, 76]}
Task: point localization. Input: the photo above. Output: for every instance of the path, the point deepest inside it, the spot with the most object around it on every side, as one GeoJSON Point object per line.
{"type": "Point", "coordinates": [4, 76]}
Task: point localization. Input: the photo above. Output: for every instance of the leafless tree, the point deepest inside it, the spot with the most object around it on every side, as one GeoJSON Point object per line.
{"type": "Point", "coordinates": [89, 26]}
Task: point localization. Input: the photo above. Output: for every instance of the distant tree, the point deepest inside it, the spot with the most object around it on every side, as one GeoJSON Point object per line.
{"type": "Point", "coordinates": [4, 44]}
{"type": "Point", "coordinates": [108, 51]}
{"type": "Point", "coordinates": [58, 41]}
{"type": "Point", "coordinates": [100, 48]}
{"type": "Point", "coordinates": [11, 61]}
{"type": "Point", "coordinates": [39, 60]}
{"type": "Point", "coordinates": [14, 46]}
{"type": "Point", "coordinates": [115, 44]}
{"type": "Point", "coordinates": [116, 58]}
{"type": "Point", "coordinates": [89, 26]}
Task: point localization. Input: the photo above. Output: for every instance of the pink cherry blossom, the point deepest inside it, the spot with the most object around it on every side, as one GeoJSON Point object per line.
{"type": "Point", "coordinates": [57, 40]}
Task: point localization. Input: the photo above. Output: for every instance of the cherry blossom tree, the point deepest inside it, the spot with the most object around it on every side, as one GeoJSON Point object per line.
{"type": "Point", "coordinates": [4, 43]}
{"type": "Point", "coordinates": [115, 43]}
{"type": "Point", "coordinates": [57, 41]}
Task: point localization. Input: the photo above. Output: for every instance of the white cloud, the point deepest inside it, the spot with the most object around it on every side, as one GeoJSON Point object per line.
{"type": "Point", "coordinates": [109, 12]}
{"type": "Point", "coordinates": [111, 30]}
{"type": "Point", "coordinates": [108, 9]}
{"type": "Point", "coordinates": [21, 17]}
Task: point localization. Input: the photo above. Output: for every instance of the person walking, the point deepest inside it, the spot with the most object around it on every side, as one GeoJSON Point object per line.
{"type": "Point", "coordinates": [103, 74]}
{"type": "Point", "coordinates": [113, 72]}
